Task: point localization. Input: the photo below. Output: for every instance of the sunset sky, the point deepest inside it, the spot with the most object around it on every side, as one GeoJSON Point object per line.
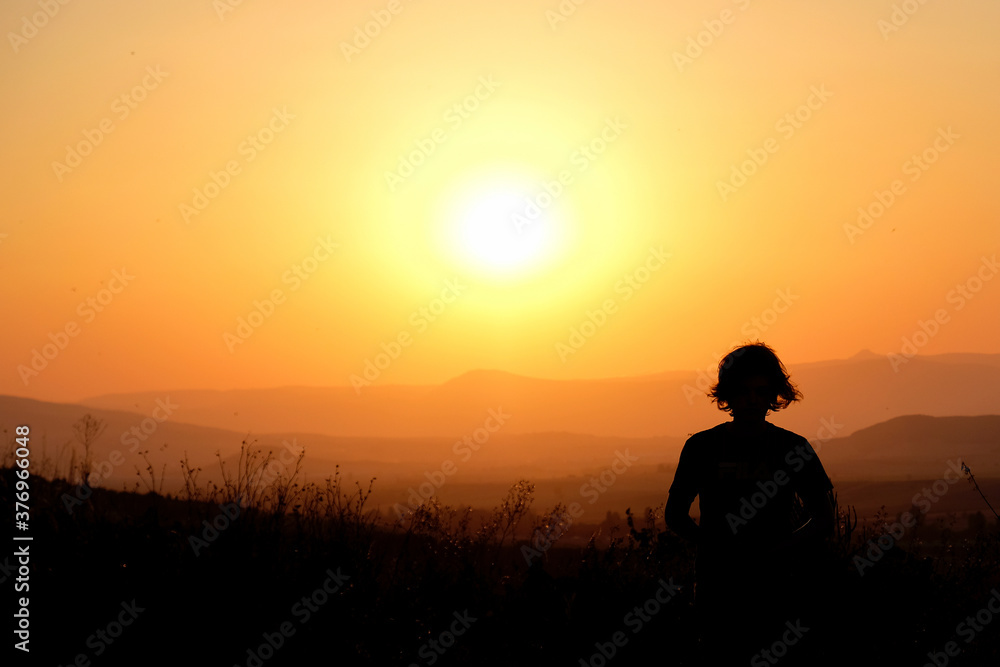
{"type": "Point", "coordinates": [694, 165]}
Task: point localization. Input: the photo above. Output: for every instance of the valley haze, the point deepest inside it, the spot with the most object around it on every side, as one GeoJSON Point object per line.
{"type": "Point", "coordinates": [878, 432]}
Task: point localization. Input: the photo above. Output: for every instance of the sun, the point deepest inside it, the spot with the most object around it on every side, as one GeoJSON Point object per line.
{"type": "Point", "coordinates": [504, 227]}
{"type": "Point", "coordinates": [494, 228]}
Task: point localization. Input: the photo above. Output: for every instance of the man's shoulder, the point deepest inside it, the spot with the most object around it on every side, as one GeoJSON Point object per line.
{"type": "Point", "coordinates": [804, 453]}
{"type": "Point", "coordinates": [708, 435]}
{"type": "Point", "coordinates": [702, 442]}
{"type": "Point", "coordinates": [786, 436]}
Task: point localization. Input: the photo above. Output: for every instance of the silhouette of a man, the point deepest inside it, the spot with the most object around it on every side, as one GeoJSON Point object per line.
{"type": "Point", "coordinates": [757, 484]}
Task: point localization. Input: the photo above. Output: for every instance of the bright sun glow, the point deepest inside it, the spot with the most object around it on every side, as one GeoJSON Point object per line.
{"type": "Point", "coordinates": [503, 228]}
{"type": "Point", "coordinates": [492, 234]}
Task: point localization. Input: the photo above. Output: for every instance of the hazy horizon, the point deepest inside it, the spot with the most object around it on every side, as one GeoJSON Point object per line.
{"type": "Point", "coordinates": [59, 396]}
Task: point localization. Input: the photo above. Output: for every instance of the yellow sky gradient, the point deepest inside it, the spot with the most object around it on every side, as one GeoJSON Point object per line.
{"type": "Point", "coordinates": [308, 131]}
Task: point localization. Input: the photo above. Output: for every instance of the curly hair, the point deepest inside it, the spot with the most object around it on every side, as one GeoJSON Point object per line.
{"type": "Point", "coordinates": [748, 361]}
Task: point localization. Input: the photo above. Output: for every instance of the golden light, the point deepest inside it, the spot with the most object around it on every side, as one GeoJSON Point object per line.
{"type": "Point", "coordinates": [503, 227]}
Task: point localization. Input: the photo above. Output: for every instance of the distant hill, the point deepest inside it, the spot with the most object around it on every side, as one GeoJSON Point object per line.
{"type": "Point", "coordinates": [502, 456]}
{"type": "Point", "coordinates": [855, 393]}
{"type": "Point", "coordinates": [915, 447]}
{"type": "Point", "coordinates": [899, 450]}
{"type": "Point", "coordinates": [52, 439]}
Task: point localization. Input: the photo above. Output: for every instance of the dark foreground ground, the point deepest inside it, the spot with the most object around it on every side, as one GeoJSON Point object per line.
{"type": "Point", "coordinates": [310, 578]}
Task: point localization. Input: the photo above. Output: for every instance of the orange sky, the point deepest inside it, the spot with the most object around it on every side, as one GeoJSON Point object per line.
{"type": "Point", "coordinates": [220, 159]}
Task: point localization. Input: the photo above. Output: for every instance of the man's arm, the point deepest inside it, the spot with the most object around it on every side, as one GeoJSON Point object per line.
{"type": "Point", "coordinates": [682, 493]}
{"type": "Point", "coordinates": [814, 488]}
{"type": "Point", "coordinates": [678, 517]}
{"type": "Point", "coordinates": [823, 516]}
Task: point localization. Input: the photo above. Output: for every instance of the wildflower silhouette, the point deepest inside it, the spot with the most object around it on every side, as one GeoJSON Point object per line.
{"type": "Point", "coordinates": [972, 480]}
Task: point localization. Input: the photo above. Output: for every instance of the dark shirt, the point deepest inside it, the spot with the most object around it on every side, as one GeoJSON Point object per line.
{"type": "Point", "coordinates": [747, 488]}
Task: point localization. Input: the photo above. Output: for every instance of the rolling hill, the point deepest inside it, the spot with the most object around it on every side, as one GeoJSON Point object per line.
{"type": "Point", "coordinates": [855, 393]}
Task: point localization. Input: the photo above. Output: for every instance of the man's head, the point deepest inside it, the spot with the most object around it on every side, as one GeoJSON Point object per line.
{"type": "Point", "coordinates": [752, 381]}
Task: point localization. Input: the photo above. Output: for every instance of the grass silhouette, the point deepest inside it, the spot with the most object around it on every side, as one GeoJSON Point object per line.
{"type": "Point", "coordinates": [215, 587]}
